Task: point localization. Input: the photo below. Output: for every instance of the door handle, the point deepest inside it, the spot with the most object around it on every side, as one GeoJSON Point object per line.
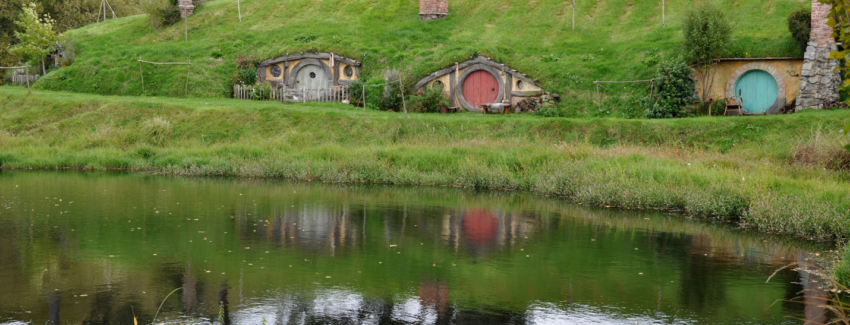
{"type": "Point", "coordinates": [494, 89]}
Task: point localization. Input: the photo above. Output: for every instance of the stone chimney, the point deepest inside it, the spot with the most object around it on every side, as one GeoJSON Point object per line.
{"type": "Point", "coordinates": [818, 82]}
{"type": "Point", "coordinates": [186, 8]}
{"type": "Point", "coordinates": [433, 9]}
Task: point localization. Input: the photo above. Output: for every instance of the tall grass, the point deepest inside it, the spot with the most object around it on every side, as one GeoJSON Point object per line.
{"type": "Point", "coordinates": [733, 168]}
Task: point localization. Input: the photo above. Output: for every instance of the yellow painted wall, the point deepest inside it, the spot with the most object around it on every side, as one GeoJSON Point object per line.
{"type": "Point", "coordinates": [788, 69]}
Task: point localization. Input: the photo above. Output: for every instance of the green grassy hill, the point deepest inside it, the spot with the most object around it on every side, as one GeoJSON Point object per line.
{"type": "Point", "coordinates": [613, 40]}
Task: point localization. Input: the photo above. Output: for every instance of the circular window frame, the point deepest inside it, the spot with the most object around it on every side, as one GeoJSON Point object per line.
{"type": "Point", "coordinates": [520, 84]}
{"type": "Point", "coordinates": [780, 83]}
{"type": "Point", "coordinates": [275, 71]}
{"type": "Point", "coordinates": [462, 79]}
{"type": "Point", "coordinates": [312, 75]}
{"type": "Point", "coordinates": [348, 71]}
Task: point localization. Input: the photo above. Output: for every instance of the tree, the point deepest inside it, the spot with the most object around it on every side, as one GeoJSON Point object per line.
{"type": "Point", "coordinates": [675, 89]}
{"type": "Point", "coordinates": [706, 32]}
{"type": "Point", "coordinates": [839, 20]}
{"type": "Point", "coordinates": [38, 38]}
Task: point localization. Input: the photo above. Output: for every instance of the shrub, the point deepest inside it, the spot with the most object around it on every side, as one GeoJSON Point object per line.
{"type": "Point", "coordinates": [261, 91]}
{"type": "Point", "coordinates": [157, 129]}
{"type": "Point", "coordinates": [374, 93]}
{"type": "Point", "coordinates": [392, 91]}
{"type": "Point", "coordinates": [430, 101]}
{"type": "Point", "coordinates": [800, 25]}
{"type": "Point", "coordinates": [675, 89]}
{"type": "Point", "coordinates": [161, 13]}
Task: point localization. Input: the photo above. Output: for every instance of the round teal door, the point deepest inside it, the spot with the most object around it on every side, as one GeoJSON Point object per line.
{"type": "Point", "coordinates": [758, 89]}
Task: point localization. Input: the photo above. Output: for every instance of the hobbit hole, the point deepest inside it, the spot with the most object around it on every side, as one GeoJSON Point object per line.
{"type": "Point", "coordinates": [481, 81]}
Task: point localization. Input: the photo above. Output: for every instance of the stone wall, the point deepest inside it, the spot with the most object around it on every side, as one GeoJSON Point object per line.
{"type": "Point", "coordinates": [433, 9]}
{"type": "Point", "coordinates": [818, 81]}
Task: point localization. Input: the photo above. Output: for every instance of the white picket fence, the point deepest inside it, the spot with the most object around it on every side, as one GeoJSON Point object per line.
{"type": "Point", "coordinates": [302, 95]}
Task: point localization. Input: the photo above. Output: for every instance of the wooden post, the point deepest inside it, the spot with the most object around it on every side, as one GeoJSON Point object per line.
{"type": "Point", "coordinates": [364, 100]}
{"type": "Point", "coordinates": [403, 102]}
{"type": "Point", "coordinates": [142, 71]}
{"type": "Point", "coordinates": [663, 14]}
{"type": "Point", "coordinates": [28, 79]}
{"type": "Point", "coordinates": [598, 99]}
{"type": "Point", "coordinates": [186, 23]}
{"type": "Point", "coordinates": [187, 76]}
{"type": "Point", "coordinates": [43, 70]}
{"type": "Point", "coordinates": [239, 8]}
{"type": "Point", "coordinates": [304, 95]}
{"type": "Point", "coordinates": [110, 8]}
{"type": "Point", "coordinates": [574, 15]}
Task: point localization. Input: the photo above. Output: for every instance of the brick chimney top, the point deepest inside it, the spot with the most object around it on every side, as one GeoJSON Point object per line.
{"type": "Point", "coordinates": [821, 32]}
{"type": "Point", "coordinates": [433, 9]}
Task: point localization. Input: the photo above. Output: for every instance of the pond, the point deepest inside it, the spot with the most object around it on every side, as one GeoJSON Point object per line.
{"type": "Point", "coordinates": [100, 247]}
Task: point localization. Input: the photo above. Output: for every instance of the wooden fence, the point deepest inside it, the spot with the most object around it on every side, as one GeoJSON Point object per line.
{"type": "Point", "coordinates": [286, 95]}
{"type": "Point", "coordinates": [21, 79]}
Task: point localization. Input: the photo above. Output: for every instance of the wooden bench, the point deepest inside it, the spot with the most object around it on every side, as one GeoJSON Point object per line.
{"type": "Point", "coordinates": [734, 104]}
{"type": "Point", "coordinates": [497, 108]}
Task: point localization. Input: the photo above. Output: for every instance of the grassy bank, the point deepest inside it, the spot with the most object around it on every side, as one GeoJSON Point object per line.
{"type": "Point", "coordinates": [613, 40]}
{"type": "Point", "coordinates": [764, 170]}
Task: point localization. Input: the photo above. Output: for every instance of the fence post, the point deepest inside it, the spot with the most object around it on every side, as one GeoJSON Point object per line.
{"type": "Point", "coordinates": [304, 94]}
{"type": "Point", "coordinates": [28, 79]}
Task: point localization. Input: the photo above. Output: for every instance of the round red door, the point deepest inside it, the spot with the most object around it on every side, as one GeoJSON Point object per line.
{"type": "Point", "coordinates": [480, 87]}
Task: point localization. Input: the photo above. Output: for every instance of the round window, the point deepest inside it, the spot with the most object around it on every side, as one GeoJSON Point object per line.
{"type": "Point", "coordinates": [312, 75]}
{"type": "Point", "coordinates": [439, 84]}
{"type": "Point", "coordinates": [520, 84]}
{"type": "Point", "coordinates": [275, 71]}
{"type": "Point", "coordinates": [349, 72]}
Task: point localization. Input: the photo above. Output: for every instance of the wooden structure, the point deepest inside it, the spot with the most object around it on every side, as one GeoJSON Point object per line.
{"type": "Point", "coordinates": [482, 81]}
{"type": "Point", "coordinates": [733, 105]}
{"type": "Point", "coordinates": [142, 71]}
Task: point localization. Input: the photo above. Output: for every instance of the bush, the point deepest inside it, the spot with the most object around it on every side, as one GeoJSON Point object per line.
{"type": "Point", "coordinates": [430, 101]}
{"type": "Point", "coordinates": [392, 91]}
{"type": "Point", "coordinates": [374, 93]}
{"type": "Point", "coordinates": [800, 25]}
{"type": "Point", "coordinates": [675, 89]}
{"type": "Point", "coordinates": [161, 13]}
{"type": "Point", "coordinates": [261, 92]}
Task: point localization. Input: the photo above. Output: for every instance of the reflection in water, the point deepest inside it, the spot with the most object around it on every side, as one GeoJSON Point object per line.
{"type": "Point", "coordinates": [53, 308]}
{"type": "Point", "coordinates": [103, 246]}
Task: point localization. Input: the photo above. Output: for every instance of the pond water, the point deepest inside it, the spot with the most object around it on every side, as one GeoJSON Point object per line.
{"type": "Point", "coordinates": [97, 248]}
